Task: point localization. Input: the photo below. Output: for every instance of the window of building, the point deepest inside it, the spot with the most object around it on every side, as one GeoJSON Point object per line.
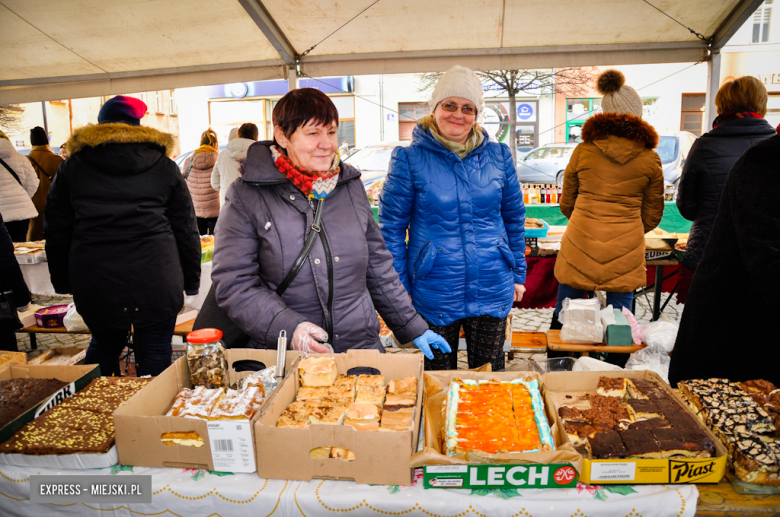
{"type": "Point", "coordinates": [172, 100]}
{"type": "Point", "coordinates": [692, 113]}
{"type": "Point", "coordinates": [408, 114]}
{"type": "Point", "coordinates": [761, 19]}
{"type": "Point", "coordinates": [158, 102]}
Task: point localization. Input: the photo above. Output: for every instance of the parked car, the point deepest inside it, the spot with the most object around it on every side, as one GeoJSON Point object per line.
{"type": "Point", "coordinates": [673, 148]}
{"type": "Point", "coordinates": [545, 164]}
{"type": "Point", "coordinates": [372, 162]}
{"type": "Point", "coordinates": [179, 160]}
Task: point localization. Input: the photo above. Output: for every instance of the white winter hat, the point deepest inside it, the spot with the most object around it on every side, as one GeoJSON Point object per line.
{"type": "Point", "coordinates": [458, 81]}
{"type": "Point", "coordinates": [618, 96]}
{"type": "Point", "coordinates": [233, 134]}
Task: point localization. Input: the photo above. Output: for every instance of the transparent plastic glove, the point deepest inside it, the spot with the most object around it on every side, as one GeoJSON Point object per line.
{"type": "Point", "coordinates": [431, 339]}
{"type": "Point", "coordinates": [311, 339]}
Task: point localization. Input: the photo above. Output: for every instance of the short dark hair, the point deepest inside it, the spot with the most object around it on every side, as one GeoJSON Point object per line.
{"type": "Point", "coordinates": [248, 130]}
{"type": "Point", "coordinates": [301, 106]}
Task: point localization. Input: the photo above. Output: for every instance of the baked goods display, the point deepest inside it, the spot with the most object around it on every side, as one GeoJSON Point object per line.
{"type": "Point", "coordinates": [632, 418]}
{"type": "Point", "coordinates": [18, 396]}
{"type": "Point", "coordinates": [530, 222]}
{"type": "Point", "coordinates": [495, 417]}
{"type": "Point", "coordinates": [212, 404]}
{"type": "Point", "coordinates": [362, 402]}
{"type": "Point", "coordinates": [744, 416]}
{"type": "Point", "coordinates": [81, 424]}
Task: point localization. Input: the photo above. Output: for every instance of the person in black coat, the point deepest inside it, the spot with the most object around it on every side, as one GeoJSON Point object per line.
{"type": "Point", "coordinates": [11, 279]}
{"type": "Point", "coordinates": [121, 236]}
{"type": "Point", "coordinates": [729, 325]}
{"type": "Point", "coordinates": [741, 105]}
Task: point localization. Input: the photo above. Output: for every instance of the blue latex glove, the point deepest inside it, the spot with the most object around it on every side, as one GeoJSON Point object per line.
{"type": "Point", "coordinates": [431, 339]}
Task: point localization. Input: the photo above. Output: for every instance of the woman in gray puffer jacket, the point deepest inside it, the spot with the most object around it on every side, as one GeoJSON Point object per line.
{"type": "Point", "coordinates": [269, 214]}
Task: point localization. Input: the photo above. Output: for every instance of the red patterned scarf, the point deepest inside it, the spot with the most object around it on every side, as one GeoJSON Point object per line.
{"type": "Point", "coordinates": [727, 116]}
{"type": "Point", "coordinates": [316, 185]}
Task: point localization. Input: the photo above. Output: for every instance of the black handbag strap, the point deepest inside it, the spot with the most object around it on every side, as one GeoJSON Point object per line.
{"type": "Point", "coordinates": [38, 166]}
{"type": "Point", "coordinates": [11, 171]}
{"type": "Point", "coordinates": [316, 228]}
{"type": "Point", "coordinates": [187, 173]}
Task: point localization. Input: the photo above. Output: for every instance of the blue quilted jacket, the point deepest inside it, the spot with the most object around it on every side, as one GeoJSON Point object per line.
{"type": "Point", "coordinates": [465, 218]}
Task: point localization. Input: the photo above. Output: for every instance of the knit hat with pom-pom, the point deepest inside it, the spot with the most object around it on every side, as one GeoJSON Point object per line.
{"type": "Point", "coordinates": [618, 96]}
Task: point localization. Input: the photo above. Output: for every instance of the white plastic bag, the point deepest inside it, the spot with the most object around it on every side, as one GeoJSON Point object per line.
{"type": "Point", "coordinates": [650, 358]}
{"type": "Point", "coordinates": [73, 320]}
{"type": "Point", "coordinates": [581, 320]}
{"type": "Point", "coordinates": [589, 364]}
{"type": "Point", "coordinates": [661, 334]}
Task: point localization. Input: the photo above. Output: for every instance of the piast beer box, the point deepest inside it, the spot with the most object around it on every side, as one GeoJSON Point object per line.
{"type": "Point", "coordinates": [636, 471]}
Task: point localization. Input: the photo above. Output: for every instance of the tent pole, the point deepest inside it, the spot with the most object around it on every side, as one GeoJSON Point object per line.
{"type": "Point", "coordinates": [713, 83]}
{"type": "Point", "coordinates": [292, 79]}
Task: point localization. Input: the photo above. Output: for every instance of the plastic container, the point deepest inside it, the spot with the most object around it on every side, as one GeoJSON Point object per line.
{"type": "Point", "coordinates": [554, 364]}
{"type": "Point", "coordinates": [538, 232]}
{"type": "Point", "coordinates": [51, 317]}
{"type": "Point", "coordinates": [206, 358]}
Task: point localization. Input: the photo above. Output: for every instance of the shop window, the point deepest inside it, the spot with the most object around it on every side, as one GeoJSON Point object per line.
{"type": "Point", "coordinates": [346, 132]}
{"type": "Point", "coordinates": [408, 114]}
{"type": "Point", "coordinates": [761, 20]}
{"type": "Point", "coordinates": [692, 113]}
{"type": "Point", "coordinates": [174, 110]}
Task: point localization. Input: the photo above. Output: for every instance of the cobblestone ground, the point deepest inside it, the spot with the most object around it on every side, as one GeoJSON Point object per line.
{"type": "Point", "coordinates": [528, 320]}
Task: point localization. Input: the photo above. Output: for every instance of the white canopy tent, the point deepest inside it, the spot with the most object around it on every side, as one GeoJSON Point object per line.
{"type": "Point", "coordinates": [57, 49]}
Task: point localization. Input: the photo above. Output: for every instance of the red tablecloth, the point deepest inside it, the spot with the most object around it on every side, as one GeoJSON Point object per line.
{"type": "Point", "coordinates": [541, 287]}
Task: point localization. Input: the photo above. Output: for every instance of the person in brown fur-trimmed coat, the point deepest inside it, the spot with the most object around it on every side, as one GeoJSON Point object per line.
{"type": "Point", "coordinates": [613, 193]}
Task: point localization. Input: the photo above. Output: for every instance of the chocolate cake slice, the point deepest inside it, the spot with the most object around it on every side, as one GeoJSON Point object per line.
{"type": "Point", "coordinates": [642, 409]}
{"type": "Point", "coordinates": [640, 443]}
{"type": "Point", "coordinates": [572, 414]}
{"type": "Point", "coordinates": [606, 445]}
{"type": "Point", "coordinates": [651, 423]}
{"type": "Point", "coordinates": [672, 444]}
{"type": "Point", "coordinates": [17, 396]}
{"type": "Point", "coordinates": [612, 386]}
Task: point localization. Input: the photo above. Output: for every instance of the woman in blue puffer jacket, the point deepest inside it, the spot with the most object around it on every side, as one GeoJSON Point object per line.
{"type": "Point", "coordinates": [458, 196]}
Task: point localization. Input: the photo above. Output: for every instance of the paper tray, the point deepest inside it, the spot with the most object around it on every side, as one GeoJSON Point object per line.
{"type": "Point", "coordinates": [63, 461]}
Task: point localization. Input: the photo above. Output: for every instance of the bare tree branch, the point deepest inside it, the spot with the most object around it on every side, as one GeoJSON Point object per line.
{"type": "Point", "coordinates": [571, 81]}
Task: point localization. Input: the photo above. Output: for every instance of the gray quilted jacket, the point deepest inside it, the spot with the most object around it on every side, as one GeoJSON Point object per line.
{"type": "Point", "coordinates": [261, 231]}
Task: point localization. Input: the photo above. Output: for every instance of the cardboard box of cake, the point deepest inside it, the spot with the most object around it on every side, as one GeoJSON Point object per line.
{"type": "Point", "coordinates": [745, 416]}
{"type": "Point", "coordinates": [327, 422]}
{"type": "Point", "coordinates": [167, 424]}
{"type": "Point", "coordinates": [26, 391]}
{"type": "Point", "coordinates": [490, 418]}
{"type": "Point", "coordinates": [632, 428]}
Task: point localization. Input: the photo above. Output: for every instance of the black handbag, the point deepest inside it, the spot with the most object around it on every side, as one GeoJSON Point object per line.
{"type": "Point", "coordinates": [9, 318]}
{"type": "Point", "coordinates": [211, 316]}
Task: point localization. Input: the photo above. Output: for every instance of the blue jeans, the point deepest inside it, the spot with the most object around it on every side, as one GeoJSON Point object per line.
{"type": "Point", "coordinates": [151, 346]}
{"type": "Point", "coordinates": [617, 300]}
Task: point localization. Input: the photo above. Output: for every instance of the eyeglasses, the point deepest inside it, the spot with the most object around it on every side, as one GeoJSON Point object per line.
{"type": "Point", "coordinates": [452, 108]}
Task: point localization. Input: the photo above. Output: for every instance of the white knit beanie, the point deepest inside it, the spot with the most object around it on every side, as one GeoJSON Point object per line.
{"type": "Point", "coordinates": [458, 81]}
{"type": "Point", "coordinates": [233, 134]}
{"type": "Point", "coordinates": [618, 96]}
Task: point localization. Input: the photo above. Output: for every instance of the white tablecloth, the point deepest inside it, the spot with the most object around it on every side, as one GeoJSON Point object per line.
{"type": "Point", "coordinates": [39, 282]}
{"type": "Point", "coordinates": [200, 493]}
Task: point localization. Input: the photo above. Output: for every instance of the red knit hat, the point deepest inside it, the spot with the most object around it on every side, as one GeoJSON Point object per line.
{"type": "Point", "coordinates": [122, 109]}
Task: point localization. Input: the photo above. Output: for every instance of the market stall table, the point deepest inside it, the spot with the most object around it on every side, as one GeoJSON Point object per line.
{"type": "Point", "coordinates": [556, 344]}
{"type": "Point", "coordinates": [201, 493]}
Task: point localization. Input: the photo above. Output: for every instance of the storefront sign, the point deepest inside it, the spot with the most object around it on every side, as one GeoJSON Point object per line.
{"type": "Point", "coordinates": [769, 78]}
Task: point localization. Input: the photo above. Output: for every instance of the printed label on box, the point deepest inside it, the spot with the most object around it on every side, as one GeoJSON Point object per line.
{"type": "Point", "coordinates": [447, 468]}
{"type": "Point", "coordinates": [58, 398]}
{"type": "Point", "coordinates": [231, 446]}
{"type": "Point", "coordinates": [501, 476]}
{"type": "Point", "coordinates": [612, 471]}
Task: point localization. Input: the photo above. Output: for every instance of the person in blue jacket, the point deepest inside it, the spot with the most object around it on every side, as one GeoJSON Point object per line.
{"type": "Point", "coordinates": [457, 195]}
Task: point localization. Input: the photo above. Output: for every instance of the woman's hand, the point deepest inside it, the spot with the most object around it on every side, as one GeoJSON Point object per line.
{"type": "Point", "coordinates": [431, 339]}
{"type": "Point", "coordinates": [311, 339]}
{"type": "Point", "coordinates": [519, 292]}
